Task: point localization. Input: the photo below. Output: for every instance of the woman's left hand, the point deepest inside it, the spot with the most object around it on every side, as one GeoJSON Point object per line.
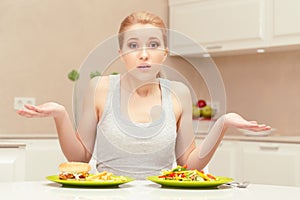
{"type": "Point", "coordinates": [235, 120]}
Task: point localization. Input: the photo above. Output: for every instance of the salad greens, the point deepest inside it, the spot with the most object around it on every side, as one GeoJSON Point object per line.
{"type": "Point", "coordinates": [181, 173]}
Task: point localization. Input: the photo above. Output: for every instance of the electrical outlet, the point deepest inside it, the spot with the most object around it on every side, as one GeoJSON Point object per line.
{"type": "Point", "coordinates": [19, 102]}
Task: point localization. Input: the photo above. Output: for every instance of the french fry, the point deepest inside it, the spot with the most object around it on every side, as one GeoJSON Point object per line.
{"type": "Point", "coordinates": [105, 176]}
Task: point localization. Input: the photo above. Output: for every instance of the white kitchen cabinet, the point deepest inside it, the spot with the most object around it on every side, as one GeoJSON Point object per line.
{"type": "Point", "coordinates": [29, 159]}
{"type": "Point", "coordinates": [257, 162]}
{"type": "Point", "coordinates": [220, 25]}
{"type": "Point", "coordinates": [286, 16]}
{"type": "Point", "coordinates": [234, 25]}
{"type": "Point", "coordinates": [225, 160]}
{"type": "Point", "coordinates": [12, 161]}
{"type": "Point", "coordinates": [271, 163]}
{"type": "Point", "coordinates": [42, 158]}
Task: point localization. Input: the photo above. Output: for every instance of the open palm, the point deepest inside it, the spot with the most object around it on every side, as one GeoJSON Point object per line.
{"type": "Point", "coordinates": [235, 120]}
{"type": "Point", "coordinates": [50, 109]}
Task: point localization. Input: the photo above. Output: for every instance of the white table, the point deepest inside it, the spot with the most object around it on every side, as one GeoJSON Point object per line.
{"type": "Point", "coordinates": [142, 190]}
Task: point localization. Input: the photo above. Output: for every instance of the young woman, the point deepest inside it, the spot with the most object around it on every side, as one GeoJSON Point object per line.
{"type": "Point", "coordinates": [138, 123]}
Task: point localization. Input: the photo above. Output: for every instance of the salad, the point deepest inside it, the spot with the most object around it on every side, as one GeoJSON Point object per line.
{"type": "Point", "coordinates": [181, 173]}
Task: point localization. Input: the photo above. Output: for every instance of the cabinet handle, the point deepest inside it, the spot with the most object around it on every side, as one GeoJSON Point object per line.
{"type": "Point", "coordinates": [16, 146]}
{"type": "Point", "coordinates": [269, 148]}
{"type": "Point", "coordinates": [214, 47]}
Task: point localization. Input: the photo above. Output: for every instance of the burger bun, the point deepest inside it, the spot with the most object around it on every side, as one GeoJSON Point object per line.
{"type": "Point", "coordinates": [74, 167]}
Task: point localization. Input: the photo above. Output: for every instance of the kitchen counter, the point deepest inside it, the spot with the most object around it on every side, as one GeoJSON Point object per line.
{"type": "Point", "coordinates": [142, 190]}
{"type": "Point", "coordinates": [269, 138]}
{"type": "Point", "coordinates": [29, 136]}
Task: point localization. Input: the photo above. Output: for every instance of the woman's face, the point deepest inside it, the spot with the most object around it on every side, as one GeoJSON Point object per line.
{"type": "Point", "coordinates": [143, 50]}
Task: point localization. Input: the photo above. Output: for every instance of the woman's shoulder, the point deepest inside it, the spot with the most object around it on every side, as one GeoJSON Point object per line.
{"type": "Point", "coordinates": [100, 82]}
{"type": "Point", "coordinates": [100, 86]}
{"type": "Point", "coordinates": [181, 96]}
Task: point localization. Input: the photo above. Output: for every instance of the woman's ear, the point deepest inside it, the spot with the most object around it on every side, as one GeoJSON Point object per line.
{"type": "Point", "coordinates": [166, 54]}
{"type": "Point", "coordinates": [167, 51]}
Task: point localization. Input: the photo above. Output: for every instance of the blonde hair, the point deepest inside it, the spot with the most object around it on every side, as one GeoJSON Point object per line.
{"type": "Point", "coordinates": [143, 17]}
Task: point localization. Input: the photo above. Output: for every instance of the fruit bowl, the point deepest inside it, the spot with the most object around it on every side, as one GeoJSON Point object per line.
{"type": "Point", "coordinates": [254, 133]}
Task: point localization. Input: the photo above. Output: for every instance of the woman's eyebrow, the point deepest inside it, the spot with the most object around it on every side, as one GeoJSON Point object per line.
{"type": "Point", "coordinates": [136, 38]}
{"type": "Point", "coordinates": [154, 38]}
{"type": "Point", "coordinates": [133, 38]}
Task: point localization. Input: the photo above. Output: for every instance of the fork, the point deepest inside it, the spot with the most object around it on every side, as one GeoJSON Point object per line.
{"type": "Point", "coordinates": [243, 184]}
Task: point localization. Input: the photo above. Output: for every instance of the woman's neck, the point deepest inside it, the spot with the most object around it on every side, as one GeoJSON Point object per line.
{"type": "Point", "coordinates": [141, 88]}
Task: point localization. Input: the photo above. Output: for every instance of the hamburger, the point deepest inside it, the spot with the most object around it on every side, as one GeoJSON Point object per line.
{"type": "Point", "coordinates": [74, 170]}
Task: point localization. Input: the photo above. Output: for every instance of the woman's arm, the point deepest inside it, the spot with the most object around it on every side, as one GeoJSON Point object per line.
{"type": "Point", "coordinates": [77, 145]}
{"type": "Point", "coordinates": [68, 139]}
{"type": "Point", "coordinates": [186, 150]}
{"type": "Point", "coordinates": [200, 156]}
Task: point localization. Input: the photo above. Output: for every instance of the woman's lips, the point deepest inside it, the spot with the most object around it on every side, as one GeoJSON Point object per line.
{"type": "Point", "coordinates": [143, 66]}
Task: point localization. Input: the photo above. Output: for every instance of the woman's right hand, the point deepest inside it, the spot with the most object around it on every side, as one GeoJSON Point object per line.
{"type": "Point", "coordinates": [49, 109]}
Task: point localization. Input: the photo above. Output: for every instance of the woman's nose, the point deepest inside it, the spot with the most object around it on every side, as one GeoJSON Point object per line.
{"type": "Point", "coordinates": [144, 54]}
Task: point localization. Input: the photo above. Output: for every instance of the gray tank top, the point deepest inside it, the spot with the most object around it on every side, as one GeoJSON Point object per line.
{"type": "Point", "coordinates": [134, 149]}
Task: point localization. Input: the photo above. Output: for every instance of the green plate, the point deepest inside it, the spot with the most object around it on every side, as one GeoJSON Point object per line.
{"type": "Point", "coordinates": [190, 184]}
{"type": "Point", "coordinates": [78, 183]}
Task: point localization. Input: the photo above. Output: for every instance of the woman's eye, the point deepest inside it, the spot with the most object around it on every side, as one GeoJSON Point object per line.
{"type": "Point", "coordinates": [154, 44]}
{"type": "Point", "coordinates": [133, 45]}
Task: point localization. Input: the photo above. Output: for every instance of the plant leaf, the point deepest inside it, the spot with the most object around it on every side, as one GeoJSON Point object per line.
{"type": "Point", "coordinates": [73, 75]}
{"type": "Point", "coordinates": [94, 74]}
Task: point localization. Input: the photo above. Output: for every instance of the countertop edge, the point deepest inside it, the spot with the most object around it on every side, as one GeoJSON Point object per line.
{"type": "Point", "coordinates": [232, 137]}
{"type": "Point", "coordinates": [25, 136]}
{"type": "Point", "coordinates": [270, 138]}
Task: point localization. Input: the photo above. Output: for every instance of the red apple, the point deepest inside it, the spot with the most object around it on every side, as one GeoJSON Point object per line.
{"type": "Point", "coordinates": [201, 103]}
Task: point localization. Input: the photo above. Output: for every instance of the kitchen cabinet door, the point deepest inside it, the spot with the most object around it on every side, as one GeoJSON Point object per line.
{"type": "Point", "coordinates": [271, 163]}
{"type": "Point", "coordinates": [234, 26]}
{"type": "Point", "coordinates": [12, 161]}
{"type": "Point", "coordinates": [225, 161]}
{"type": "Point", "coordinates": [220, 25]}
{"type": "Point", "coordinates": [42, 158]}
{"type": "Point", "coordinates": [286, 17]}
